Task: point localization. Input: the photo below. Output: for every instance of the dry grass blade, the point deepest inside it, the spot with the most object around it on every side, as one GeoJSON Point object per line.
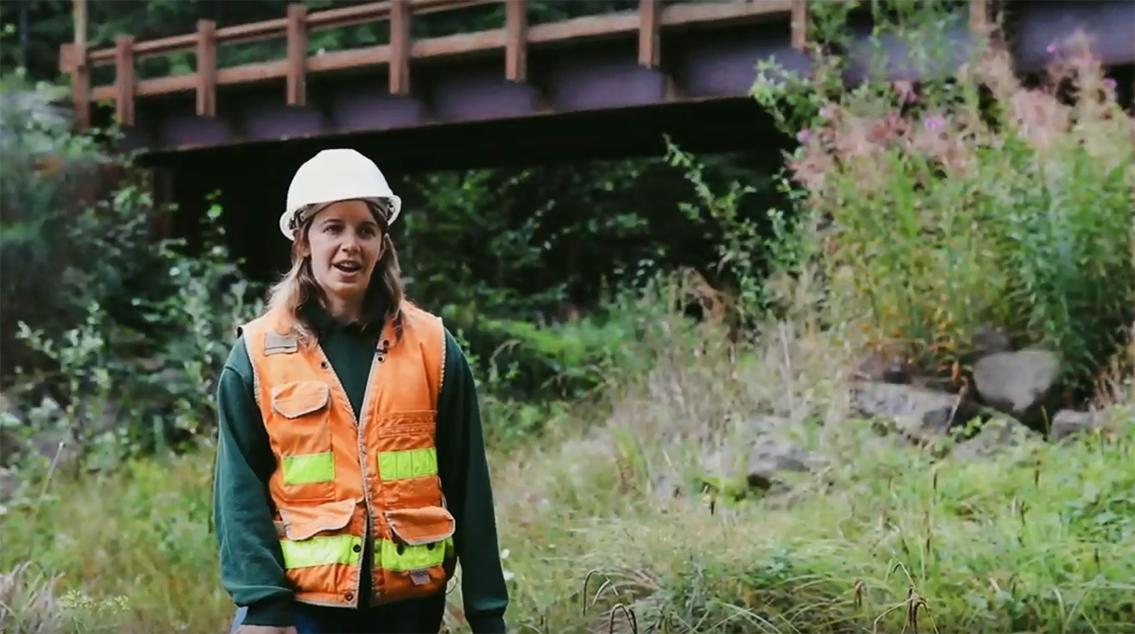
{"type": "Point", "coordinates": [875, 624]}
{"type": "Point", "coordinates": [629, 612]}
{"type": "Point", "coordinates": [662, 624]}
{"type": "Point", "coordinates": [599, 592]}
{"type": "Point", "coordinates": [583, 594]}
{"type": "Point", "coordinates": [27, 601]}
{"type": "Point", "coordinates": [914, 601]}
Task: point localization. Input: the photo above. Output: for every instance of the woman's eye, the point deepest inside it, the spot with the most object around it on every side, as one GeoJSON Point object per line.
{"type": "Point", "coordinates": [367, 232]}
{"type": "Point", "coordinates": [333, 228]}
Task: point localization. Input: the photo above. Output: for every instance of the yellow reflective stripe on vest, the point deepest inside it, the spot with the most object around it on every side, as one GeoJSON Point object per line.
{"type": "Point", "coordinates": [321, 551]}
{"type": "Point", "coordinates": [309, 468]}
{"type": "Point", "coordinates": [411, 557]}
{"type": "Point", "coordinates": [412, 463]}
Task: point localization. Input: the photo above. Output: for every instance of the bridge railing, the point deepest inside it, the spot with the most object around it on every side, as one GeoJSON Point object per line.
{"type": "Point", "coordinates": [515, 37]}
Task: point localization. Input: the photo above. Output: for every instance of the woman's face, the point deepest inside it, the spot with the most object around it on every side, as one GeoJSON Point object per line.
{"type": "Point", "coordinates": [344, 243]}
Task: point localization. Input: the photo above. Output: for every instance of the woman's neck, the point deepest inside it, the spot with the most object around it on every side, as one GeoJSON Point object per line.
{"type": "Point", "coordinates": [342, 310]}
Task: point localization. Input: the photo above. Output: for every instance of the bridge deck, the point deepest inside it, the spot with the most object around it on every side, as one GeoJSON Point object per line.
{"type": "Point", "coordinates": [490, 86]}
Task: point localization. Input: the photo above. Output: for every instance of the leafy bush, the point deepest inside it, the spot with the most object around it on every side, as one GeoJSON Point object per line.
{"type": "Point", "coordinates": [543, 246]}
{"type": "Point", "coordinates": [47, 175]}
{"type": "Point", "coordinates": [136, 384]}
{"type": "Point", "coordinates": [937, 209]}
{"type": "Point", "coordinates": [111, 338]}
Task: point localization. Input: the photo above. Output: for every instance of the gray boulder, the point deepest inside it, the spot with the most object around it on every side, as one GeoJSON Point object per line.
{"type": "Point", "coordinates": [995, 436]}
{"type": "Point", "coordinates": [1069, 422]}
{"type": "Point", "coordinates": [1021, 384]}
{"type": "Point", "coordinates": [918, 413]}
{"type": "Point", "coordinates": [760, 466]}
{"type": "Point", "coordinates": [877, 366]}
{"type": "Point", "coordinates": [771, 458]}
{"type": "Point", "coordinates": [989, 340]}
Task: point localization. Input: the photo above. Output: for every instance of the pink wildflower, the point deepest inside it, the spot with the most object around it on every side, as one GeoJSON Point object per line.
{"type": "Point", "coordinates": [1051, 48]}
{"type": "Point", "coordinates": [935, 122]}
{"type": "Point", "coordinates": [804, 136]}
{"type": "Point", "coordinates": [1109, 83]}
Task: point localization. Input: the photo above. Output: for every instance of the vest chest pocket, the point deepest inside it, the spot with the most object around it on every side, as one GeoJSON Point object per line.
{"type": "Point", "coordinates": [407, 459]}
{"type": "Point", "coordinates": [302, 435]}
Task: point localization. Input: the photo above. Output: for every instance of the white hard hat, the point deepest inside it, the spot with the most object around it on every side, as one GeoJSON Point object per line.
{"type": "Point", "coordinates": [331, 176]}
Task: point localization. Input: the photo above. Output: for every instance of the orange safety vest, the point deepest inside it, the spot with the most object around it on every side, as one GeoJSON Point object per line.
{"type": "Point", "coordinates": [339, 480]}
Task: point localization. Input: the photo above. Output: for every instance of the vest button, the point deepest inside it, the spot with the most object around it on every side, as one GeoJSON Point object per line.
{"type": "Point", "coordinates": [323, 364]}
{"type": "Point", "coordinates": [356, 548]}
{"type": "Point", "coordinates": [350, 596]}
{"type": "Point", "coordinates": [381, 358]}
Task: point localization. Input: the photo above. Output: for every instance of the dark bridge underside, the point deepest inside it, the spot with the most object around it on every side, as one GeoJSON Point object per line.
{"type": "Point", "coordinates": [591, 99]}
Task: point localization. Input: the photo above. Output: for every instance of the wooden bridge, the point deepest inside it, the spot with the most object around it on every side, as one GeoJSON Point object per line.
{"type": "Point", "coordinates": [592, 85]}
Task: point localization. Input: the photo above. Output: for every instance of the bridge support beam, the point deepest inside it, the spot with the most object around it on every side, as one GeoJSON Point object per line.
{"type": "Point", "coordinates": [399, 47]}
{"type": "Point", "coordinates": [649, 40]}
{"type": "Point", "coordinates": [799, 24]}
{"type": "Point", "coordinates": [297, 55]}
{"type": "Point", "coordinates": [124, 80]}
{"type": "Point", "coordinates": [516, 41]}
{"type": "Point", "coordinates": [73, 60]}
{"type": "Point", "coordinates": [206, 68]}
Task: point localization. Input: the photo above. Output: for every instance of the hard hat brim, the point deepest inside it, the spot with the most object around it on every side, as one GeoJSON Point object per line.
{"type": "Point", "coordinates": [286, 217]}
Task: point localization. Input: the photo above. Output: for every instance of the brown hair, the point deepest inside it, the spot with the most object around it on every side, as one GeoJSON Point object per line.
{"type": "Point", "coordinates": [383, 301]}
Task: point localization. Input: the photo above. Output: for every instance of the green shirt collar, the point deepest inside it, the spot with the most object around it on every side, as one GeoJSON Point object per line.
{"type": "Point", "coordinates": [323, 323]}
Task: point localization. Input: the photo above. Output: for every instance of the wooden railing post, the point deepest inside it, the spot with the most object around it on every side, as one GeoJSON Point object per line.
{"type": "Point", "coordinates": [399, 47]}
{"type": "Point", "coordinates": [516, 41]}
{"type": "Point", "coordinates": [206, 68]}
{"type": "Point", "coordinates": [649, 42]}
{"type": "Point", "coordinates": [979, 16]}
{"type": "Point", "coordinates": [124, 79]}
{"type": "Point", "coordinates": [799, 24]}
{"type": "Point", "coordinates": [297, 55]}
{"type": "Point", "coordinates": [73, 60]}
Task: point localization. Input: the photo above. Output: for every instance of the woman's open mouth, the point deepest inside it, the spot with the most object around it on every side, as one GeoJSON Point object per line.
{"type": "Point", "coordinates": [349, 268]}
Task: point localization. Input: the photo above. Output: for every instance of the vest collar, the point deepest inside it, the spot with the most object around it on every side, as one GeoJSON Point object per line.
{"type": "Point", "coordinates": [323, 324]}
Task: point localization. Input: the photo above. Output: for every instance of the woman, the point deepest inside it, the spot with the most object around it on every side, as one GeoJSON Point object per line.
{"type": "Point", "coordinates": [351, 470]}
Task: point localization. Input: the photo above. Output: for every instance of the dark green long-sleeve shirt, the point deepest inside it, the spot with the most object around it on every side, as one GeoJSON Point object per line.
{"type": "Point", "coordinates": [252, 565]}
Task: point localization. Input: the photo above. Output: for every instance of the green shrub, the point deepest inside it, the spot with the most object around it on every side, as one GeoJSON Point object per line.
{"type": "Point", "coordinates": [47, 171]}
{"type": "Point", "coordinates": [973, 201]}
{"type": "Point", "coordinates": [138, 382]}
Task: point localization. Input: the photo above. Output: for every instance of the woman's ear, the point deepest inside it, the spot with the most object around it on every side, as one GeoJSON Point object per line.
{"type": "Point", "coordinates": [382, 246]}
{"type": "Point", "coordinates": [303, 244]}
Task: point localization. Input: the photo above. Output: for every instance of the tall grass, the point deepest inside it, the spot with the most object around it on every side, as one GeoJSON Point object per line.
{"type": "Point", "coordinates": [1034, 539]}
{"type": "Point", "coordinates": [128, 552]}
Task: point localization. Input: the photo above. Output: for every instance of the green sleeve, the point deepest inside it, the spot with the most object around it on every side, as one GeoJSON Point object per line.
{"type": "Point", "coordinates": [464, 473]}
{"type": "Point", "coordinates": [252, 565]}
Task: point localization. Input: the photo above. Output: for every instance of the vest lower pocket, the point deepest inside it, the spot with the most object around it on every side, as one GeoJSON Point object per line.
{"type": "Point", "coordinates": [417, 559]}
{"type": "Point", "coordinates": [302, 435]}
{"type": "Point", "coordinates": [317, 556]}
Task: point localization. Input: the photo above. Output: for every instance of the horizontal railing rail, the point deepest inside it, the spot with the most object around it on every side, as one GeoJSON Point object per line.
{"type": "Point", "coordinates": [514, 37]}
